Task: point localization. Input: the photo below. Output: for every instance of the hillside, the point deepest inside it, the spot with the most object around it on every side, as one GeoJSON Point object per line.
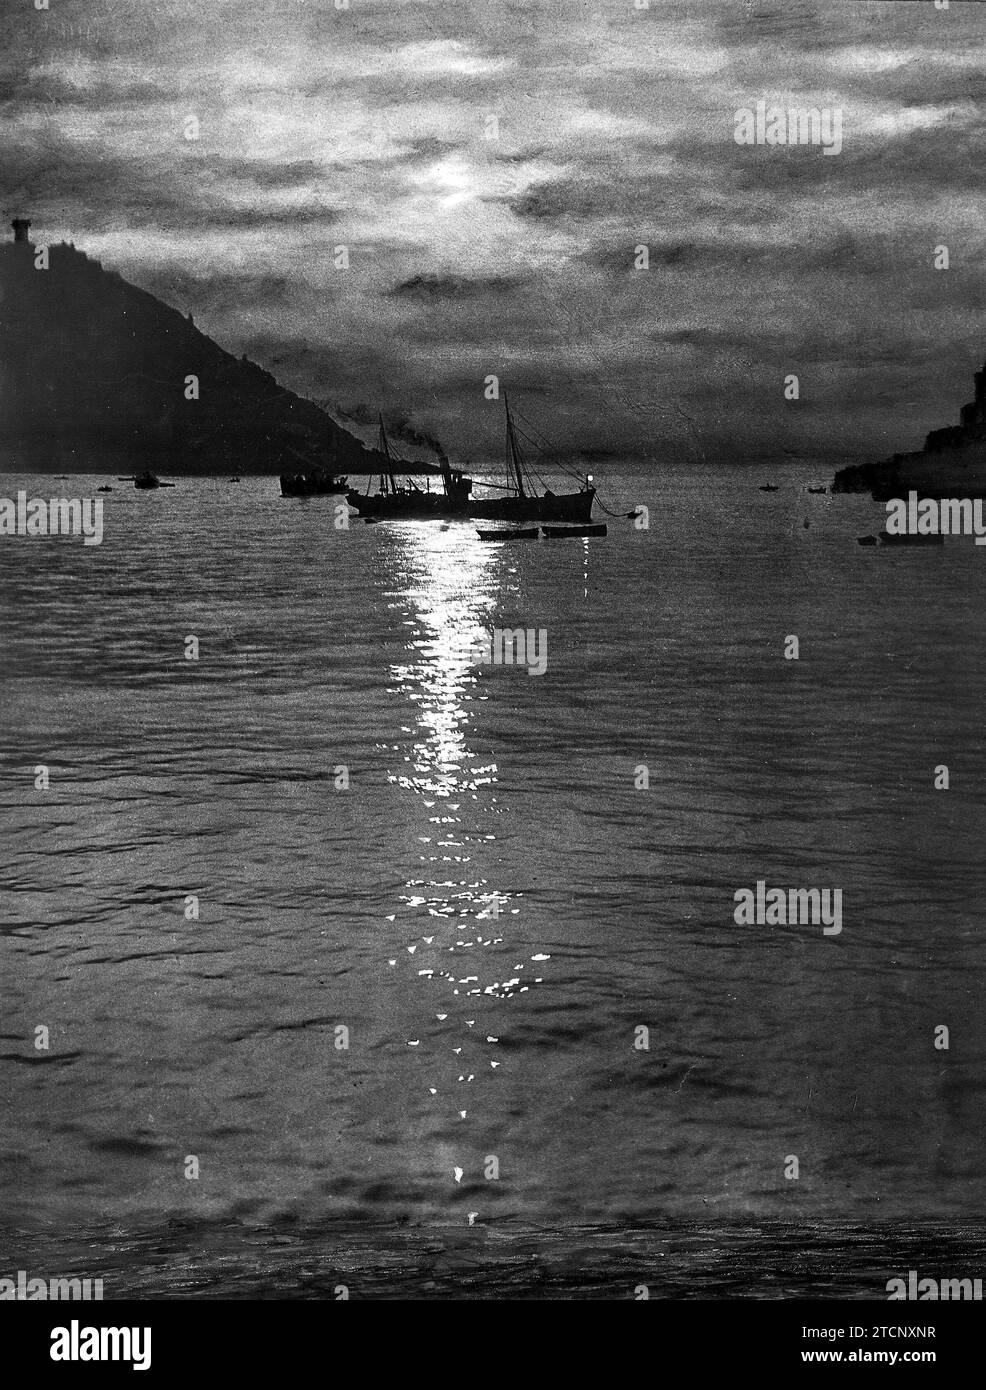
{"type": "Point", "coordinates": [93, 379]}
{"type": "Point", "coordinates": [952, 461]}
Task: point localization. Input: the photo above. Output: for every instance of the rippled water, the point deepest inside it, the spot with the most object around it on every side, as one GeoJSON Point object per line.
{"type": "Point", "coordinates": [492, 908]}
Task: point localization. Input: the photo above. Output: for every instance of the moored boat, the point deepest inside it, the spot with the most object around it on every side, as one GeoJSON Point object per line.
{"type": "Point", "coordinates": [554, 532]}
{"type": "Point", "coordinates": [144, 481]}
{"type": "Point", "coordinates": [318, 483]}
{"type": "Point", "coordinates": [529, 533]}
{"type": "Point", "coordinates": [524, 502]}
{"type": "Point", "coordinates": [406, 501]}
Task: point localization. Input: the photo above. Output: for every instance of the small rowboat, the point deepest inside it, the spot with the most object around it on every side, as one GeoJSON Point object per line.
{"type": "Point", "coordinates": [555, 531]}
{"type": "Point", "coordinates": [529, 533]}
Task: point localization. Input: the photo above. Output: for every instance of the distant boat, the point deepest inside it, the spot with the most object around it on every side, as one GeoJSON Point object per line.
{"type": "Point", "coordinates": [768, 487]}
{"type": "Point", "coordinates": [144, 481]}
{"type": "Point", "coordinates": [555, 531]}
{"type": "Point", "coordinates": [524, 534]}
{"type": "Point", "coordinates": [234, 480]}
{"type": "Point", "coordinates": [318, 483]}
{"type": "Point", "coordinates": [104, 489]}
{"type": "Point", "coordinates": [818, 489]}
{"type": "Point", "coordinates": [887, 539]}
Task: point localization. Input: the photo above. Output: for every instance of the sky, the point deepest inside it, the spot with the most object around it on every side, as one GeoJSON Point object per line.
{"type": "Point", "coordinates": [491, 167]}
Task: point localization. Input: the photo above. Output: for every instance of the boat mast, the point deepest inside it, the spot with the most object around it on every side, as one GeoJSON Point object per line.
{"type": "Point", "coordinates": [385, 450]}
{"type": "Point", "coordinates": [513, 451]}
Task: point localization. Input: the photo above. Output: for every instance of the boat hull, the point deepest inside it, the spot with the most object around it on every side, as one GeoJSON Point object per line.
{"type": "Point", "coordinates": [309, 485]}
{"type": "Point", "coordinates": [422, 506]}
{"type": "Point", "coordinates": [569, 506]}
{"type": "Point", "coordinates": [574, 507]}
{"type": "Point", "coordinates": [527, 534]}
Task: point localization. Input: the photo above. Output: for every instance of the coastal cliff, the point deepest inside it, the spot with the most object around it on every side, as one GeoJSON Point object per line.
{"type": "Point", "coordinates": [96, 376]}
{"type": "Point", "coordinates": [953, 460]}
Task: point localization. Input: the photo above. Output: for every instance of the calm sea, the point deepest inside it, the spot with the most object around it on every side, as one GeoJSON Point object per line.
{"type": "Point", "coordinates": [399, 1045]}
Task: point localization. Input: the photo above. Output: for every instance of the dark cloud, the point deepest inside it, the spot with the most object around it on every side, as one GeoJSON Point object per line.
{"type": "Point", "coordinates": [514, 255]}
{"type": "Point", "coordinates": [298, 173]}
{"type": "Point", "coordinates": [398, 424]}
{"type": "Point", "coordinates": [564, 198]}
{"type": "Point", "coordinates": [429, 286]}
{"type": "Point", "coordinates": [219, 294]}
{"type": "Point", "coordinates": [621, 259]}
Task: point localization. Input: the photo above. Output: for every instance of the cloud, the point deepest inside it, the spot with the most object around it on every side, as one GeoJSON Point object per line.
{"type": "Point", "coordinates": [429, 286]}
{"type": "Point", "coordinates": [490, 170]}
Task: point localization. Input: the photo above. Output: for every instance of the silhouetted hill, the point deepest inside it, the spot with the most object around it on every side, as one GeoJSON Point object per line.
{"type": "Point", "coordinates": [93, 379]}
{"type": "Point", "coordinates": [953, 460]}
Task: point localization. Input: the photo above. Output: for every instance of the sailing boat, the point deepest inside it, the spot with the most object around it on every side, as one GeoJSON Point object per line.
{"type": "Point", "coordinates": [408, 502]}
{"type": "Point", "coordinates": [524, 502]}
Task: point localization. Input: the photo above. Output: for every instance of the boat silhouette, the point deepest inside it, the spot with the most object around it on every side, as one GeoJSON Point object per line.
{"type": "Point", "coordinates": [522, 501]}
{"type": "Point", "coordinates": [554, 532]}
{"type": "Point", "coordinates": [405, 501]}
{"type": "Point", "coordinates": [319, 482]}
{"type": "Point", "coordinates": [506, 533]}
{"type": "Point", "coordinates": [144, 481]}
